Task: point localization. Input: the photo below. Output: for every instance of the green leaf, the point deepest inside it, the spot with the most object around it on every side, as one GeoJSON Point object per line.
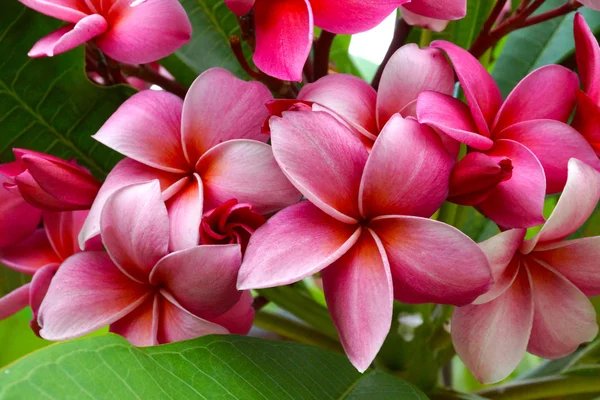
{"type": "Point", "coordinates": [340, 57]}
{"type": "Point", "coordinates": [223, 367]}
{"type": "Point", "coordinates": [213, 24]}
{"type": "Point", "coordinates": [547, 43]}
{"type": "Point", "coordinates": [49, 104]}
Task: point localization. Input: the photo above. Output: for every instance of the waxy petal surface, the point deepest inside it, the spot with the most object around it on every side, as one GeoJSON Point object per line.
{"type": "Point", "coordinates": [238, 320]}
{"type": "Point", "coordinates": [30, 254]}
{"type": "Point", "coordinates": [18, 219]}
{"type": "Point", "coordinates": [14, 301]}
{"type": "Point", "coordinates": [140, 326]}
{"type": "Point", "coordinates": [66, 10]}
{"type": "Point", "coordinates": [38, 289]}
{"type": "Point", "coordinates": [185, 213]}
{"type": "Point", "coordinates": [240, 7]}
{"type": "Point", "coordinates": [439, 9]}
{"type": "Point", "coordinates": [587, 53]}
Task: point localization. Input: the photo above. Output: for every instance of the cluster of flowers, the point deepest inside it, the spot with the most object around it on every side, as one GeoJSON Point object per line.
{"type": "Point", "coordinates": [202, 210]}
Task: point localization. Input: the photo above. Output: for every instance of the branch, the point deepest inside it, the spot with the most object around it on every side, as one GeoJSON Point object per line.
{"type": "Point", "coordinates": [154, 77]}
{"type": "Point", "coordinates": [322, 50]}
{"type": "Point", "coordinates": [400, 34]}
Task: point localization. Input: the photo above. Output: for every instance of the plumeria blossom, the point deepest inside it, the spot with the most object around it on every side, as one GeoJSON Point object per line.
{"type": "Point", "coordinates": [119, 28]}
{"type": "Point", "coordinates": [38, 182]}
{"type": "Point", "coordinates": [538, 302]}
{"type": "Point", "coordinates": [284, 28]}
{"type": "Point", "coordinates": [433, 14]}
{"type": "Point", "coordinates": [204, 151]}
{"type": "Point", "coordinates": [588, 99]}
{"type": "Point", "coordinates": [365, 111]}
{"type": "Point", "coordinates": [593, 4]}
{"type": "Point", "coordinates": [40, 255]}
{"type": "Point", "coordinates": [365, 226]}
{"type": "Point", "coordinates": [144, 292]}
{"type": "Point", "coordinates": [525, 136]}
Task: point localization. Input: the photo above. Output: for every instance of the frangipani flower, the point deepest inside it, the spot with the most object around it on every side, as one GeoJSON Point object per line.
{"type": "Point", "coordinates": [204, 151]}
{"type": "Point", "coordinates": [527, 130]}
{"type": "Point", "coordinates": [409, 72]}
{"type": "Point", "coordinates": [588, 99]}
{"type": "Point", "coordinates": [284, 28]}
{"type": "Point", "coordinates": [593, 4]}
{"type": "Point", "coordinates": [40, 255]}
{"type": "Point", "coordinates": [365, 226]}
{"type": "Point", "coordinates": [538, 302]}
{"type": "Point", "coordinates": [120, 28]}
{"type": "Point", "coordinates": [433, 14]}
{"type": "Point", "coordinates": [38, 182]}
{"type": "Point", "coordinates": [144, 292]}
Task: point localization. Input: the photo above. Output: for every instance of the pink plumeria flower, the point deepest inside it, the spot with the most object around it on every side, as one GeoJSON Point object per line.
{"type": "Point", "coordinates": [120, 28]}
{"type": "Point", "coordinates": [365, 226]}
{"type": "Point", "coordinates": [205, 151]}
{"type": "Point", "coordinates": [40, 255]}
{"type": "Point", "coordinates": [433, 14]}
{"type": "Point", "coordinates": [365, 111]}
{"type": "Point", "coordinates": [144, 292]}
{"type": "Point", "coordinates": [528, 130]}
{"type": "Point", "coordinates": [588, 99]}
{"type": "Point", "coordinates": [38, 182]}
{"type": "Point", "coordinates": [593, 4]}
{"type": "Point", "coordinates": [538, 302]}
{"type": "Point", "coordinates": [284, 28]}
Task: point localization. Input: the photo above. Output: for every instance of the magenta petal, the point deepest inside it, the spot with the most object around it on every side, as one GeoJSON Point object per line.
{"type": "Point", "coordinates": [245, 170]}
{"type": "Point", "coordinates": [126, 172]}
{"type": "Point", "coordinates": [38, 289]}
{"type": "Point", "coordinates": [587, 52]}
{"type": "Point", "coordinates": [452, 117]}
{"type": "Point", "coordinates": [359, 293]}
{"type": "Point", "coordinates": [431, 261]}
{"type": "Point", "coordinates": [519, 201]}
{"type": "Point", "coordinates": [30, 254]}
{"type": "Point", "coordinates": [132, 40]}
{"type": "Point", "coordinates": [563, 318]}
{"type": "Point", "coordinates": [238, 320]}
{"type": "Point", "coordinates": [140, 326]}
{"type": "Point", "coordinates": [306, 142]}
{"type": "Point", "coordinates": [87, 293]}
{"type": "Point", "coordinates": [546, 93]}
{"type": "Point", "coordinates": [14, 301]}
{"type": "Point", "coordinates": [146, 128]}
{"type": "Point", "coordinates": [284, 35]}
{"type": "Point", "coordinates": [593, 4]}
{"type": "Point", "coordinates": [349, 97]}
{"type": "Point", "coordinates": [135, 228]}
{"type": "Point", "coordinates": [240, 7]}
{"type": "Point", "coordinates": [63, 228]}
{"type": "Point", "coordinates": [69, 37]}
{"type": "Point", "coordinates": [480, 89]}
{"type": "Point", "coordinates": [439, 9]}
{"type": "Point", "coordinates": [177, 324]}
{"type": "Point", "coordinates": [409, 72]}
{"type": "Point", "coordinates": [432, 24]}
{"type": "Point", "coordinates": [585, 121]}
{"type": "Point", "coordinates": [407, 172]}
{"type": "Point", "coordinates": [18, 219]}
{"type": "Point", "coordinates": [202, 279]}
{"type": "Point", "coordinates": [352, 16]}
{"type": "Point", "coordinates": [66, 10]}
{"type": "Point", "coordinates": [185, 213]}
{"type": "Point", "coordinates": [297, 242]}
{"type": "Point", "coordinates": [492, 338]}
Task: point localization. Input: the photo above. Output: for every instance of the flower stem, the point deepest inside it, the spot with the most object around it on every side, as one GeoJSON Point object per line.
{"type": "Point", "coordinates": [322, 50]}
{"type": "Point", "coordinates": [151, 76]}
{"type": "Point", "coordinates": [400, 35]}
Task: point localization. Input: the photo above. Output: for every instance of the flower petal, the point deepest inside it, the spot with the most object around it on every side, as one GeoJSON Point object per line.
{"type": "Point", "coordinates": [349, 97]}
{"type": "Point", "coordinates": [297, 242]}
{"type": "Point", "coordinates": [66, 10]}
{"type": "Point", "coordinates": [245, 170]}
{"type": "Point", "coordinates": [146, 128]}
{"type": "Point", "coordinates": [432, 24]}
{"type": "Point", "coordinates": [38, 289]}
{"type": "Point", "coordinates": [546, 93]}
{"type": "Point", "coordinates": [62, 229]}
{"type": "Point", "coordinates": [126, 172]}
{"type": "Point", "coordinates": [14, 301]}
{"type": "Point", "coordinates": [439, 9]}
{"type": "Point", "coordinates": [220, 107]}
{"type": "Point", "coordinates": [284, 36]}
{"type": "Point", "coordinates": [140, 326]}
{"type": "Point", "coordinates": [553, 143]}
{"type": "Point", "coordinates": [30, 254]}
{"type": "Point", "coordinates": [238, 320]}
{"type": "Point", "coordinates": [18, 219]}
{"type": "Point", "coordinates": [481, 91]}
{"type": "Point", "coordinates": [587, 52]}
{"type": "Point", "coordinates": [432, 262]}
{"type": "Point", "coordinates": [452, 117]}
{"type": "Point", "coordinates": [177, 324]}
{"type": "Point", "coordinates": [202, 279]}
{"type": "Point", "coordinates": [407, 172]}
{"type": "Point", "coordinates": [135, 228]}
{"type": "Point", "coordinates": [409, 72]}
{"type": "Point", "coordinates": [359, 293]}
{"type": "Point", "coordinates": [563, 318]}
{"type": "Point", "coordinates": [69, 37]}
{"type": "Point", "coordinates": [519, 201]}
{"type": "Point", "coordinates": [307, 142]}
{"type": "Point", "coordinates": [132, 40]}
{"type": "Point", "coordinates": [586, 118]}
{"type": "Point", "coordinates": [352, 16]}
{"type": "Point", "coordinates": [87, 293]}
{"type": "Point", "coordinates": [491, 338]}
{"type": "Point", "coordinates": [240, 7]}
{"type": "Point", "coordinates": [185, 214]}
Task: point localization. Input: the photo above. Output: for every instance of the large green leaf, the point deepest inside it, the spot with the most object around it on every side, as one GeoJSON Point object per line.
{"type": "Point", "coordinates": [48, 104]}
{"type": "Point", "coordinates": [223, 367]}
{"type": "Point", "coordinates": [547, 43]}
